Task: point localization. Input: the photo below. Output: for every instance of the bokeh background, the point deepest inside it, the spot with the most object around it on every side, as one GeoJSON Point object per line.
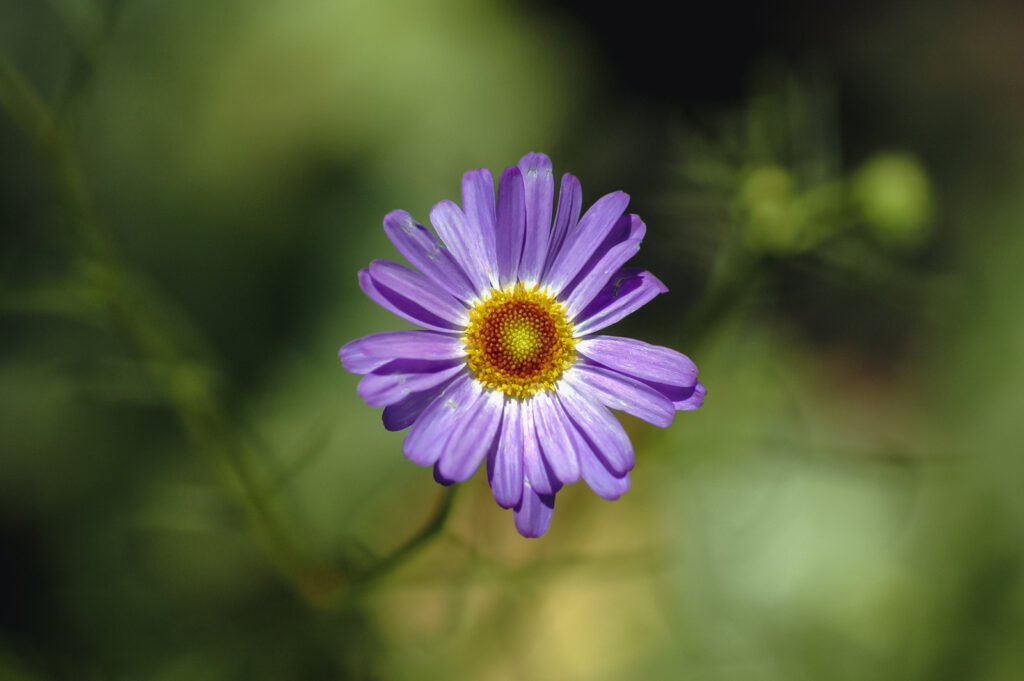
{"type": "Point", "coordinates": [191, 489]}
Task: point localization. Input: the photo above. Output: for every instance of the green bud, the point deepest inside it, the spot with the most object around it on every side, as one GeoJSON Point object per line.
{"type": "Point", "coordinates": [772, 221]}
{"type": "Point", "coordinates": [893, 195]}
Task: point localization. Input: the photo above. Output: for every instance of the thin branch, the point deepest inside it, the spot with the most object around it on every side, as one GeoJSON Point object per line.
{"type": "Point", "coordinates": [143, 316]}
{"type": "Point", "coordinates": [432, 528]}
{"type": "Point", "coordinates": [154, 326]}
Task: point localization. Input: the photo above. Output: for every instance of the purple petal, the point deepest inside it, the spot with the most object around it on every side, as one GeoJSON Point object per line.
{"type": "Point", "coordinates": [478, 203]}
{"type": "Point", "coordinates": [429, 435]}
{"type": "Point", "coordinates": [402, 308]}
{"type": "Point", "coordinates": [363, 355]}
{"type": "Point", "coordinates": [570, 200]}
{"type": "Point", "coordinates": [597, 476]}
{"type": "Point", "coordinates": [355, 361]}
{"type": "Point", "coordinates": [411, 296]}
{"type": "Point", "coordinates": [603, 431]}
{"type": "Point", "coordinates": [511, 224]}
{"type": "Point", "coordinates": [472, 438]}
{"type": "Point", "coordinates": [533, 514]}
{"type": "Point", "coordinates": [581, 243]}
{"type": "Point", "coordinates": [640, 360]}
{"type": "Point", "coordinates": [439, 477]}
{"type": "Point", "coordinates": [424, 252]}
{"type": "Point", "coordinates": [539, 183]}
{"type": "Point", "coordinates": [695, 400]}
{"type": "Point", "coordinates": [401, 415]}
{"type": "Point", "coordinates": [505, 466]}
{"type": "Point", "coordinates": [465, 241]}
{"type": "Point", "coordinates": [535, 469]}
{"type": "Point", "coordinates": [626, 292]}
{"type": "Point", "coordinates": [621, 244]}
{"type": "Point", "coordinates": [621, 392]}
{"type": "Point", "coordinates": [683, 398]}
{"type": "Point", "coordinates": [397, 379]}
{"type": "Point", "coordinates": [553, 433]}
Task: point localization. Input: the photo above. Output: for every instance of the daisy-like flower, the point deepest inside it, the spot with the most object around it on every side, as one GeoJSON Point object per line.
{"type": "Point", "coordinates": [506, 367]}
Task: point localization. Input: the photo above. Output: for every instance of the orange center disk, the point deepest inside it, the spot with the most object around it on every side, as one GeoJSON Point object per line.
{"type": "Point", "coordinates": [519, 341]}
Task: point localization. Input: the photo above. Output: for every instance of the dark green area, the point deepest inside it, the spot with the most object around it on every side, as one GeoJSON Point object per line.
{"type": "Point", "coordinates": [190, 487]}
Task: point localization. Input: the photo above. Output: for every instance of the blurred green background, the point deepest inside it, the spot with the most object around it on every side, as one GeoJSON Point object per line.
{"type": "Point", "coordinates": [191, 489]}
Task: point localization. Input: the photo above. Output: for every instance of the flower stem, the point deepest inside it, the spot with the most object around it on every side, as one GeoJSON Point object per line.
{"type": "Point", "coordinates": [160, 331]}
{"type": "Point", "coordinates": [726, 293]}
{"type": "Point", "coordinates": [135, 310]}
{"type": "Point", "coordinates": [429, 530]}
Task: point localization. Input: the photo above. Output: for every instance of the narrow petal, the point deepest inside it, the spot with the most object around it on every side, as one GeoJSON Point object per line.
{"type": "Point", "coordinates": [401, 415]}
{"type": "Point", "coordinates": [597, 476]}
{"type": "Point", "coordinates": [411, 296]}
{"type": "Point", "coordinates": [464, 240]}
{"type": "Point", "coordinates": [396, 380]}
{"type": "Point", "coordinates": [439, 477]}
{"type": "Point", "coordinates": [478, 204]}
{"type": "Point", "coordinates": [570, 200]}
{"type": "Point", "coordinates": [684, 398]}
{"type": "Point", "coordinates": [533, 514]}
{"type": "Point", "coordinates": [621, 392]}
{"type": "Point", "coordinates": [511, 224]}
{"type": "Point", "coordinates": [472, 438]}
{"type": "Point", "coordinates": [363, 355]}
{"type": "Point", "coordinates": [695, 400]}
{"type": "Point", "coordinates": [581, 243]}
{"type": "Point", "coordinates": [641, 360]}
{"type": "Point", "coordinates": [619, 247]}
{"type": "Point", "coordinates": [429, 435]}
{"type": "Point", "coordinates": [603, 431]}
{"type": "Point", "coordinates": [356, 361]}
{"type": "Point", "coordinates": [553, 433]}
{"type": "Point", "coordinates": [626, 292]}
{"type": "Point", "coordinates": [424, 252]}
{"type": "Point", "coordinates": [401, 307]}
{"type": "Point", "coordinates": [539, 183]}
{"type": "Point", "coordinates": [535, 469]}
{"type": "Point", "coordinates": [505, 466]}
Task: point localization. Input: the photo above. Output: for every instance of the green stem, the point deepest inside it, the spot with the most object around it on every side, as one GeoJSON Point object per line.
{"type": "Point", "coordinates": [725, 294]}
{"type": "Point", "coordinates": [431, 529]}
{"type": "Point", "coordinates": [141, 316]}
{"type": "Point", "coordinates": [30, 113]}
{"type": "Point", "coordinates": [146, 319]}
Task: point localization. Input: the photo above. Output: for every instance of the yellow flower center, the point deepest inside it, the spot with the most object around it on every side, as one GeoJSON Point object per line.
{"type": "Point", "coordinates": [519, 341]}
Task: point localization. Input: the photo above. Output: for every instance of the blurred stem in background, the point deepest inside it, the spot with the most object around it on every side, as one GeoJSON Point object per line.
{"type": "Point", "coordinates": [766, 193]}
{"type": "Point", "coordinates": [167, 342]}
{"type": "Point", "coordinates": [776, 188]}
{"type": "Point", "coordinates": [174, 352]}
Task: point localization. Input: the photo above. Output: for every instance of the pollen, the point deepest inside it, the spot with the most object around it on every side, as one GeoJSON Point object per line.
{"type": "Point", "coordinates": [519, 341]}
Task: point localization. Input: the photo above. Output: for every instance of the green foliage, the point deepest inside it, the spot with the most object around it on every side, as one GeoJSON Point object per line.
{"type": "Point", "coordinates": [190, 487]}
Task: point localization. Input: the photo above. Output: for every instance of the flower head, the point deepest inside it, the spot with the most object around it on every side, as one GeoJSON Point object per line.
{"type": "Point", "coordinates": [506, 367]}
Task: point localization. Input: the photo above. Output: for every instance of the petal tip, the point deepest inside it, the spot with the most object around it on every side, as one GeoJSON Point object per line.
{"type": "Point", "coordinates": [511, 173]}
{"type": "Point", "coordinates": [535, 162]}
{"type": "Point", "coordinates": [398, 216]}
{"type": "Point", "coordinates": [477, 173]}
{"type": "Point", "coordinates": [345, 355]}
{"type": "Point", "coordinates": [440, 477]}
{"type": "Point", "coordinates": [533, 513]}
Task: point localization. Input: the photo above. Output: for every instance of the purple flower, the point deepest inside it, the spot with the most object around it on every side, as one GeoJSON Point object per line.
{"type": "Point", "coordinates": [506, 367]}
